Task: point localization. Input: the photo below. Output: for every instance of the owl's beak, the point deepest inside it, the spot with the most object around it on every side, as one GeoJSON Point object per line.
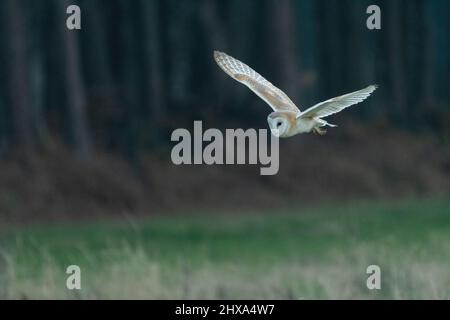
{"type": "Point", "coordinates": [275, 132]}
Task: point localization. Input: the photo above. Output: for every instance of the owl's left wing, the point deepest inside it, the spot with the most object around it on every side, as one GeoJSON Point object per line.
{"type": "Point", "coordinates": [334, 105]}
{"type": "Point", "coordinates": [241, 72]}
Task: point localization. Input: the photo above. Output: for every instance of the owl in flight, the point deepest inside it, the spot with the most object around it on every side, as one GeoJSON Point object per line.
{"type": "Point", "coordinates": [287, 120]}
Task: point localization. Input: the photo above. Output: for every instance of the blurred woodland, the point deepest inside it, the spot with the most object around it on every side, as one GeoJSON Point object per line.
{"type": "Point", "coordinates": [86, 116]}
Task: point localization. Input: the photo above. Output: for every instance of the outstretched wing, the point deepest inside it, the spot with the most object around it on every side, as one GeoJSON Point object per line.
{"type": "Point", "coordinates": [334, 105]}
{"type": "Point", "coordinates": [241, 72]}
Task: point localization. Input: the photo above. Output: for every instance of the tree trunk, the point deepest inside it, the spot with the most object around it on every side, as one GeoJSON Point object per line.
{"type": "Point", "coordinates": [155, 95]}
{"type": "Point", "coordinates": [75, 91]}
{"type": "Point", "coordinates": [98, 56]}
{"type": "Point", "coordinates": [395, 37]}
{"type": "Point", "coordinates": [129, 72]}
{"type": "Point", "coordinates": [39, 74]}
{"type": "Point", "coordinates": [19, 75]}
{"type": "Point", "coordinates": [216, 40]}
{"type": "Point", "coordinates": [284, 46]}
{"type": "Point", "coordinates": [430, 58]}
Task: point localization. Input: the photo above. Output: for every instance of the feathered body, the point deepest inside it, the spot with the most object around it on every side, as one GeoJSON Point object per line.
{"type": "Point", "coordinates": [287, 120]}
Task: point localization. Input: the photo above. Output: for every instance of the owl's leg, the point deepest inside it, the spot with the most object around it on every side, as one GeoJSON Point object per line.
{"type": "Point", "coordinates": [319, 131]}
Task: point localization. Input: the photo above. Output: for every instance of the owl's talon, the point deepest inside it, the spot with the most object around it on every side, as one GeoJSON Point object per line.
{"type": "Point", "coordinates": [320, 131]}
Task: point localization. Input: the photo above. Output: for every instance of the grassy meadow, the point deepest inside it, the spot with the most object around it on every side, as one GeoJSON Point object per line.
{"type": "Point", "coordinates": [303, 253]}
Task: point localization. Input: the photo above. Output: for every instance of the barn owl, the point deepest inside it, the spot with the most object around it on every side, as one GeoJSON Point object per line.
{"type": "Point", "coordinates": [287, 120]}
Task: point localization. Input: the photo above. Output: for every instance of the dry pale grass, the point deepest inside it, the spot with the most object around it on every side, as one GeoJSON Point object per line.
{"type": "Point", "coordinates": [303, 253]}
{"type": "Point", "coordinates": [406, 274]}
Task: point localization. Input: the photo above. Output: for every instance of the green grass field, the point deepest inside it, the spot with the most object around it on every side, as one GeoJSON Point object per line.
{"type": "Point", "coordinates": [304, 253]}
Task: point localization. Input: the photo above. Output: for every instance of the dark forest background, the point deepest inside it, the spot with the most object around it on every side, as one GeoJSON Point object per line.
{"type": "Point", "coordinates": [86, 116]}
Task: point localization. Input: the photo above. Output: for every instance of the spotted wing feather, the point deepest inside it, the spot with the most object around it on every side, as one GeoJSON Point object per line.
{"type": "Point", "coordinates": [241, 72]}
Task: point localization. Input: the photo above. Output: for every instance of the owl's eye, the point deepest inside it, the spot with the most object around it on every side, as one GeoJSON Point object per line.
{"type": "Point", "coordinates": [279, 123]}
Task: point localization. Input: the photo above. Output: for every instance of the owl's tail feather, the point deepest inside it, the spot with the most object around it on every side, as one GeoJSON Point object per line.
{"type": "Point", "coordinates": [324, 123]}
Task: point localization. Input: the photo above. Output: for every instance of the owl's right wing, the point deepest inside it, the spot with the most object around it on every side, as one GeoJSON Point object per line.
{"type": "Point", "coordinates": [241, 72]}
